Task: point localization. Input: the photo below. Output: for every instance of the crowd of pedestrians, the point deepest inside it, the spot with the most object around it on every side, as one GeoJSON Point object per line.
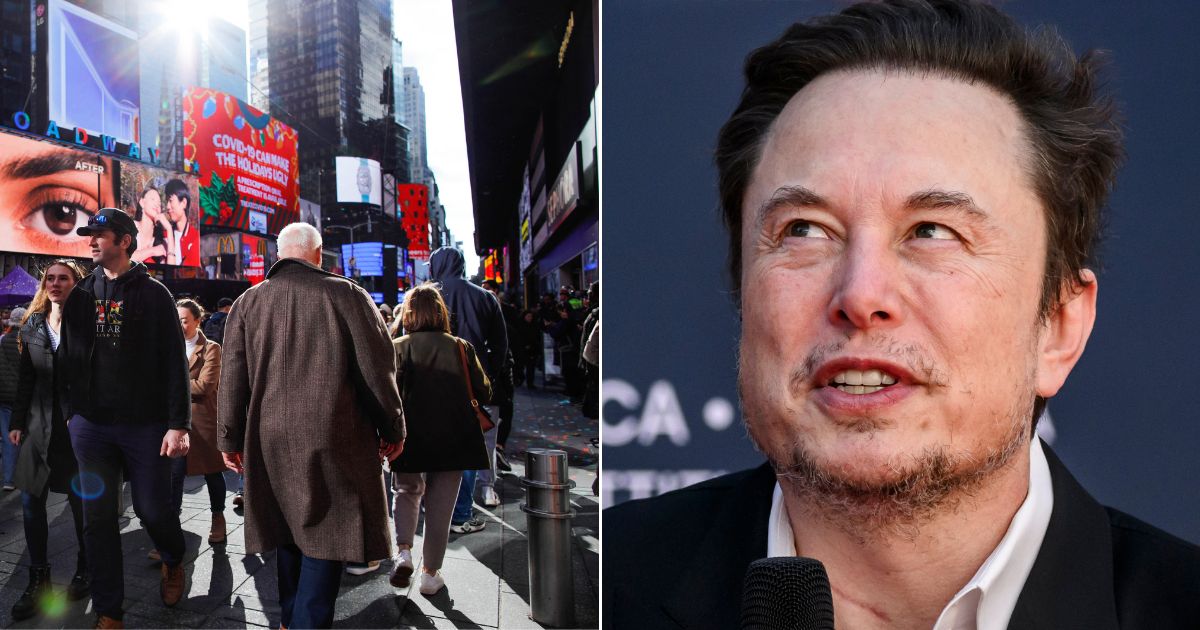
{"type": "Point", "coordinates": [325, 406]}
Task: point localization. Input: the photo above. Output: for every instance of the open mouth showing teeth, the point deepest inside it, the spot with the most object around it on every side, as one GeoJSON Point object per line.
{"type": "Point", "coordinates": [862, 381]}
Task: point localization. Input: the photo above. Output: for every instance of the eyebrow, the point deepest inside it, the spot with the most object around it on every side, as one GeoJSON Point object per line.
{"type": "Point", "coordinates": [43, 165]}
{"type": "Point", "coordinates": [932, 199]}
{"type": "Point", "coordinates": [788, 196]}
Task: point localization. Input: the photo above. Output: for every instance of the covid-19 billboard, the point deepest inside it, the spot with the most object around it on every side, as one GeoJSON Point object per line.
{"type": "Point", "coordinates": [246, 161]}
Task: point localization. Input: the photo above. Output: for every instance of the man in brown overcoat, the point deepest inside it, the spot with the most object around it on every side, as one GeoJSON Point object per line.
{"type": "Point", "coordinates": [308, 407]}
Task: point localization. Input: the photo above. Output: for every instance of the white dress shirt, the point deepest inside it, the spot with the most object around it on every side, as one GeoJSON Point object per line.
{"type": "Point", "coordinates": [987, 601]}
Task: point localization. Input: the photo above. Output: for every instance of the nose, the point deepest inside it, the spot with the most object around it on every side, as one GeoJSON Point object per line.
{"type": "Point", "coordinates": [866, 294]}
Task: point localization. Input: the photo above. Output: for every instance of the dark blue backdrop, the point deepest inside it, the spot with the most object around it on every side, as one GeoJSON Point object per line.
{"type": "Point", "coordinates": [1128, 421]}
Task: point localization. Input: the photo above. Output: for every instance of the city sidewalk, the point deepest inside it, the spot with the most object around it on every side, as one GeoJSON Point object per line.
{"type": "Point", "coordinates": [487, 573]}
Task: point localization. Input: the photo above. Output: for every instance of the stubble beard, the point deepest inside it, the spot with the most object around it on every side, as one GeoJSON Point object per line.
{"type": "Point", "coordinates": [916, 487]}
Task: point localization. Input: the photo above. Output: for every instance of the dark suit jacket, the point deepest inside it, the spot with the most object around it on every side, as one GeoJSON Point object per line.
{"type": "Point", "coordinates": [677, 561]}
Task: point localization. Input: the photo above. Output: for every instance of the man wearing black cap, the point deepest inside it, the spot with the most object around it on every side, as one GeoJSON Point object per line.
{"type": "Point", "coordinates": [126, 376]}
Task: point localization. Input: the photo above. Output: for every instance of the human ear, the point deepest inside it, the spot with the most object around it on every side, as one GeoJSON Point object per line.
{"type": "Point", "coordinates": [1065, 333]}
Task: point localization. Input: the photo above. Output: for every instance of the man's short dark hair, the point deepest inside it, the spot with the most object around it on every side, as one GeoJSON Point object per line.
{"type": "Point", "coordinates": [223, 302]}
{"type": "Point", "coordinates": [1073, 130]}
{"type": "Point", "coordinates": [177, 188]}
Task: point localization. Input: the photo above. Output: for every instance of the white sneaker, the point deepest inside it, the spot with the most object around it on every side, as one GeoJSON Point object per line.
{"type": "Point", "coordinates": [358, 568]}
{"type": "Point", "coordinates": [490, 498]}
{"type": "Point", "coordinates": [431, 584]}
{"type": "Point", "coordinates": [402, 569]}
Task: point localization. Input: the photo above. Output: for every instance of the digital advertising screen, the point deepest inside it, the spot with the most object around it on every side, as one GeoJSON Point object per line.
{"type": "Point", "coordinates": [363, 259]}
{"type": "Point", "coordinates": [92, 72]}
{"type": "Point", "coordinates": [246, 161]}
{"type": "Point", "coordinates": [413, 203]}
{"type": "Point", "coordinates": [164, 205]}
{"type": "Point", "coordinates": [47, 191]}
{"type": "Point", "coordinates": [358, 181]}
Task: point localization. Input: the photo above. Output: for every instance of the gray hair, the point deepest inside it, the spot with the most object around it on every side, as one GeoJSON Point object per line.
{"type": "Point", "coordinates": [298, 240]}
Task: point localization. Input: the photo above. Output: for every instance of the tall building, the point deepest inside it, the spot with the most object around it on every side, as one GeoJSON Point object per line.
{"type": "Point", "coordinates": [260, 84]}
{"type": "Point", "coordinates": [212, 57]}
{"type": "Point", "coordinates": [223, 58]}
{"type": "Point", "coordinates": [16, 54]}
{"type": "Point", "coordinates": [414, 119]}
{"type": "Point", "coordinates": [327, 72]}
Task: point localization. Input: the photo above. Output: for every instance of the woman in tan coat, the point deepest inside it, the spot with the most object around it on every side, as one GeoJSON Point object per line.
{"type": "Point", "coordinates": [204, 363]}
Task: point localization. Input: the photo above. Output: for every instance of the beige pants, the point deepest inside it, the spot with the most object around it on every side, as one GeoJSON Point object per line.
{"type": "Point", "coordinates": [439, 490]}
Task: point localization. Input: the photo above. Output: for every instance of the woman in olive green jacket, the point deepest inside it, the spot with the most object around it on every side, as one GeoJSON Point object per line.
{"type": "Point", "coordinates": [444, 437]}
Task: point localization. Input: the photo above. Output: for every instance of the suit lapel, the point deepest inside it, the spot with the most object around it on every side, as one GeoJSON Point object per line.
{"type": "Point", "coordinates": [710, 593]}
{"type": "Point", "coordinates": [1071, 583]}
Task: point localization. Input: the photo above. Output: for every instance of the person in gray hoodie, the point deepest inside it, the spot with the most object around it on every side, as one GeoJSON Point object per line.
{"type": "Point", "coordinates": [475, 316]}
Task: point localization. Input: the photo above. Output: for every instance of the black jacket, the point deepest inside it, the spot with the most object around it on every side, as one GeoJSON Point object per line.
{"type": "Point", "coordinates": [10, 361]}
{"type": "Point", "coordinates": [151, 376]}
{"type": "Point", "coordinates": [214, 328]}
{"type": "Point", "coordinates": [474, 312]}
{"type": "Point", "coordinates": [678, 560]}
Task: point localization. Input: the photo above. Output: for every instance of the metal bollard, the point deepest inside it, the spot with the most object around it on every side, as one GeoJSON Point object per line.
{"type": "Point", "coordinates": [549, 513]}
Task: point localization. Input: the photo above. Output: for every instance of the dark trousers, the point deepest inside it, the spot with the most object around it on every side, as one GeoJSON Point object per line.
{"type": "Point", "coordinates": [37, 528]}
{"type": "Point", "coordinates": [506, 421]}
{"type": "Point", "coordinates": [308, 588]}
{"type": "Point", "coordinates": [103, 452]}
{"type": "Point", "coordinates": [214, 481]}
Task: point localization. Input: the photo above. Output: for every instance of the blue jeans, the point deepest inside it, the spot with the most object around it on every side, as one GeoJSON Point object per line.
{"type": "Point", "coordinates": [308, 588]}
{"type": "Point", "coordinates": [103, 451]}
{"type": "Point", "coordinates": [9, 451]}
{"type": "Point", "coordinates": [463, 510]}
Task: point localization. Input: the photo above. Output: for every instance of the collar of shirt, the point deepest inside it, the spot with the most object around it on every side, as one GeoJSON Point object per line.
{"type": "Point", "coordinates": [987, 601]}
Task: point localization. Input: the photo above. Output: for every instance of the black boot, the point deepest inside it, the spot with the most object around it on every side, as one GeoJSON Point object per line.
{"type": "Point", "coordinates": [81, 585]}
{"type": "Point", "coordinates": [39, 585]}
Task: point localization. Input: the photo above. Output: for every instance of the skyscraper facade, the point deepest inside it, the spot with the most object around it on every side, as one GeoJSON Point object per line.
{"type": "Point", "coordinates": [327, 78]}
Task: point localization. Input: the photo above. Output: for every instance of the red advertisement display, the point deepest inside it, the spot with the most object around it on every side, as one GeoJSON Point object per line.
{"type": "Point", "coordinates": [412, 201]}
{"type": "Point", "coordinates": [254, 259]}
{"type": "Point", "coordinates": [247, 163]}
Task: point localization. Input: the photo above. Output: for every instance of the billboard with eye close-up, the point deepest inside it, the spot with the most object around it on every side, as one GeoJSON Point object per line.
{"type": "Point", "coordinates": [47, 191]}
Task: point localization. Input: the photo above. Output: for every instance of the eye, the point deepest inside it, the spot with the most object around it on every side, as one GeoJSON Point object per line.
{"type": "Point", "coordinates": [805, 229]}
{"type": "Point", "coordinates": [58, 218]}
{"type": "Point", "coordinates": [59, 212]}
{"type": "Point", "coordinates": [934, 231]}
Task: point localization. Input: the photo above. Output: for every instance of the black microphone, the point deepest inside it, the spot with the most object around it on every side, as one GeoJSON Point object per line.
{"type": "Point", "coordinates": [787, 593]}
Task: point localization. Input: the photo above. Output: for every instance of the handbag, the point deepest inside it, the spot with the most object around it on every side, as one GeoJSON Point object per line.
{"type": "Point", "coordinates": [481, 413]}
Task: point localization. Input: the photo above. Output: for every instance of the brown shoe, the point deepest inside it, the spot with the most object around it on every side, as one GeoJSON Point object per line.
{"type": "Point", "coordinates": [108, 622]}
{"type": "Point", "coordinates": [216, 535]}
{"type": "Point", "coordinates": [171, 588]}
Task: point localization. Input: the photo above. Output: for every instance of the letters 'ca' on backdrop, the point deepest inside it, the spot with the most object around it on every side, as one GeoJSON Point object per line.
{"type": "Point", "coordinates": [1126, 423]}
{"type": "Point", "coordinates": [247, 161]}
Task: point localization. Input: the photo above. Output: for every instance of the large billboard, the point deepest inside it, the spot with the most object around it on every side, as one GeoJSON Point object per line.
{"type": "Point", "coordinates": [359, 181]}
{"type": "Point", "coordinates": [247, 163]}
{"type": "Point", "coordinates": [47, 191]}
{"type": "Point", "coordinates": [92, 72]}
{"type": "Point", "coordinates": [164, 206]}
{"type": "Point", "coordinates": [413, 203]}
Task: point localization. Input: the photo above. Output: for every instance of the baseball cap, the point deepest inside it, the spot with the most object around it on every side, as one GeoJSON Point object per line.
{"type": "Point", "coordinates": [15, 317]}
{"type": "Point", "coordinates": [109, 219]}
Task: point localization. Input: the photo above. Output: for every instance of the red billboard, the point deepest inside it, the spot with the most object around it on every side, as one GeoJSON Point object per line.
{"type": "Point", "coordinates": [247, 163]}
{"type": "Point", "coordinates": [412, 200]}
